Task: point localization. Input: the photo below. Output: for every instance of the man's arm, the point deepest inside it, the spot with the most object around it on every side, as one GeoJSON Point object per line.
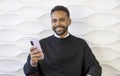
{"type": "Point", "coordinates": [91, 65]}
{"type": "Point", "coordinates": [29, 70]}
{"type": "Point", "coordinates": [31, 66]}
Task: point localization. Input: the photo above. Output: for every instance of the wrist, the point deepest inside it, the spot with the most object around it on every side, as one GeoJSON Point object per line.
{"type": "Point", "coordinates": [33, 64]}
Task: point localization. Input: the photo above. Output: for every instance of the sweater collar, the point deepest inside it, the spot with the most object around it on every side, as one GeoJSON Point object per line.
{"type": "Point", "coordinates": [59, 36]}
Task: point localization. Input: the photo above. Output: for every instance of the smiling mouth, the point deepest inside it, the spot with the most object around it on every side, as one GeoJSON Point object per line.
{"type": "Point", "coordinates": [59, 28]}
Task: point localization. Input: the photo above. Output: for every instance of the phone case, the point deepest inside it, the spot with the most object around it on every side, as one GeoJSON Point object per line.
{"type": "Point", "coordinates": [35, 43]}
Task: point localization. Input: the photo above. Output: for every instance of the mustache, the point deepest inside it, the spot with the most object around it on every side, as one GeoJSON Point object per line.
{"type": "Point", "coordinates": [59, 26]}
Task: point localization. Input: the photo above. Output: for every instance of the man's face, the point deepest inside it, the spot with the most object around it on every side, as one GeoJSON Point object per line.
{"type": "Point", "coordinates": [60, 22]}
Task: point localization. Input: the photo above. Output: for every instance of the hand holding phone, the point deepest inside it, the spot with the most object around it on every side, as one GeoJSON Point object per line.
{"type": "Point", "coordinates": [36, 51]}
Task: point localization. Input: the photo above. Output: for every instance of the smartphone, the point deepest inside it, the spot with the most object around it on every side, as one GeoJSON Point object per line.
{"type": "Point", "coordinates": [35, 43]}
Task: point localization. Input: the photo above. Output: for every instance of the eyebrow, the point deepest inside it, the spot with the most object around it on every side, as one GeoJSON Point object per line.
{"type": "Point", "coordinates": [60, 18]}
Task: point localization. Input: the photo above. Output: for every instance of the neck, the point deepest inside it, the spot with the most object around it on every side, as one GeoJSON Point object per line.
{"type": "Point", "coordinates": [63, 36]}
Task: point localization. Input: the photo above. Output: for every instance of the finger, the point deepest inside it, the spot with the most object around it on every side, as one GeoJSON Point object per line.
{"type": "Point", "coordinates": [37, 55]}
{"type": "Point", "coordinates": [36, 59]}
{"type": "Point", "coordinates": [35, 52]}
{"type": "Point", "coordinates": [32, 48]}
{"type": "Point", "coordinates": [41, 51]}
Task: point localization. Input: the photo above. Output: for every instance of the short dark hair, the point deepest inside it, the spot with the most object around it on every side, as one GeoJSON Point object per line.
{"type": "Point", "coordinates": [60, 8]}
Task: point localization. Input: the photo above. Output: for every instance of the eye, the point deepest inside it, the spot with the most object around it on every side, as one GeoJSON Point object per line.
{"type": "Point", "coordinates": [54, 20]}
{"type": "Point", "coordinates": [62, 19]}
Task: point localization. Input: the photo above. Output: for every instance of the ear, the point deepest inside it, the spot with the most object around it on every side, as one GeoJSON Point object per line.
{"type": "Point", "coordinates": [69, 22]}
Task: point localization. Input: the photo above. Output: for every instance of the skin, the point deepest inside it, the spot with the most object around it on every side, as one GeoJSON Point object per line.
{"type": "Point", "coordinates": [36, 55]}
{"type": "Point", "coordinates": [60, 22]}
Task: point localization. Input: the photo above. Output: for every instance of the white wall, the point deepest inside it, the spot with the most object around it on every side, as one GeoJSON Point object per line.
{"type": "Point", "coordinates": [97, 21]}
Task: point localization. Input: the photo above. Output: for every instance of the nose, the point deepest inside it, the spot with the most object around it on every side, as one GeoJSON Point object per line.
{"type": "Point", "coordinates": [58, 23]}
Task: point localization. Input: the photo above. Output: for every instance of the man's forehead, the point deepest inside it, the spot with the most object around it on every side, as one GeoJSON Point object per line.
{"type": "Point", "coordinates": [59, 14]}
{"type": "Point", "coordinates": [58, 17]}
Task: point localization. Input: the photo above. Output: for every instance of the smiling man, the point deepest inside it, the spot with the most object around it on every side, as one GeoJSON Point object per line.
{"type": "Point", "coordinates": [60, 22]}
{"type": "Point", "coordinates": [64, 54]}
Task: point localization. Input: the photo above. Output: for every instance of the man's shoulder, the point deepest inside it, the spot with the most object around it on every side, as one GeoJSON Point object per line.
{"type": "Point", "coordinates": [77, 38]}
{"type": "Point", "coordinates": [46, 38]}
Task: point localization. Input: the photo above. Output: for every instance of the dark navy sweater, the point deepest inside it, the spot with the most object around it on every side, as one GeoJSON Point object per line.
{"type": "Point", "coordinates": [69, 56]}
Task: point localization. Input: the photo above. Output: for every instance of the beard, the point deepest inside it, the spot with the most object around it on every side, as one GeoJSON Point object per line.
{"type": "Point", "coordinates": [60, 30]}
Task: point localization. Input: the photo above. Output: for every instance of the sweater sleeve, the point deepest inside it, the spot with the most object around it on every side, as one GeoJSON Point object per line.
{"type": "Point", "coordinates": [91, 64]}
{"type": "Point", "coordinates": [28, 68]}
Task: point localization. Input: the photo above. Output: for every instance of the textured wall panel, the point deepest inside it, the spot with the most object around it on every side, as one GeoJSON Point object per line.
{"type": "Point", "coordinates": [9, 65]}
{"type": "Point", "coordinates": [10, 35]}
{"type": "Point", "coordinates": [109, 70]}
{"type": "Point", "coordinates": [105, 54]}
{"type": "Point", "coordinates": [81, 28]}
{"type": "Point", "coordinates": [101, 37]}
{"type": "Point", "coordinates": [45, 19]}
{"type": "Point", "coordinates": [116, 11]}
{"type": "Point", "coordinates": [76, 14]}
{"type": "Point", "coordinates": [31, 11]}
{"type": "Point", "coordinates": [102, 5]}
{"type": "Point", "coordinates": [9, 5]}
{"type": "Point", "coordinates": [9, 50]}
{"type": "Point", "coordinates": [10, 20]}
{"type": "Point", "coordinates": [31, 27]}
{"type": "Point", "coordinates": [97, 21]}
{"type": "Point", "coordinates": [115, 28]}
{"type": "Point", "coordinates": [102, 20]}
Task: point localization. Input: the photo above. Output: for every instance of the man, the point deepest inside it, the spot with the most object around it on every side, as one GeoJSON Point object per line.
{"type": "Point", "coordinates": [64, 54]}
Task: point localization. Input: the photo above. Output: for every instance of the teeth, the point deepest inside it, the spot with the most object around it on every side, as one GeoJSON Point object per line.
{"type": "Point", "coordinates": [59, 29]}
